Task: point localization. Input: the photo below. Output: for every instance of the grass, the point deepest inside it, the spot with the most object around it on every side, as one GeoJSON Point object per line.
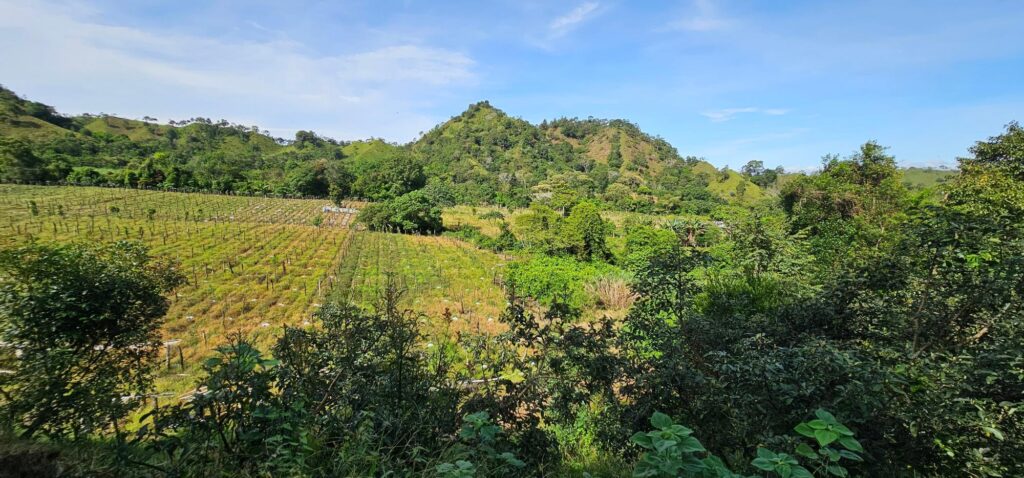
{"type": "Point", "coordinates": [920, 178]}
{"type": "Point", "coordinates": [133, 129]}
{"type": "Point", "coordinates": [728, 187]}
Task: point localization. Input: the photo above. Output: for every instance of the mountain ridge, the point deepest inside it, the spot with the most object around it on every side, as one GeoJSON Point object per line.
{"type": "Point", "coordinates": [482, 155]}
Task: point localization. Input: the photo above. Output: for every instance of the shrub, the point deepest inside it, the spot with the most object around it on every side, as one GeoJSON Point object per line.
{"type": "Point", "coordinates": [612, 292]}
{"type": "Point", "coordinates": [672, 451]}
{"type": "Point", "coordinates": [553, 280]}
{"type": "Point", "coordinates": [86, 320]}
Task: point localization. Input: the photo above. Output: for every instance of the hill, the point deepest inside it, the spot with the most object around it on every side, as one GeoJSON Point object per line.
{"type": "Point", "coordinates": [919, 178]}
{"type": "Point", "coordinates": [728, 184]}
{"type": "Point", "coordinates": [29, 119]}
{"type": "Point", "coordinates": [481, 156]}
{"type": "Point", "coordinates": [486, 156]}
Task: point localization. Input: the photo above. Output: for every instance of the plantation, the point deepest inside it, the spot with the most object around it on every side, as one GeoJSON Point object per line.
{"type": "Point", "coordinates": [255, 265]}
{"type": "Point", "coordinates": [438, 274]}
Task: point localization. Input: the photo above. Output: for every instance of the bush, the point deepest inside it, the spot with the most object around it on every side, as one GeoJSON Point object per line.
{"type": "Point", "coordinates": [612, 292]}
{"type": "Point", "coordinates": [552, 280]}
{"type": "Point", "coordinates": [85, 320]}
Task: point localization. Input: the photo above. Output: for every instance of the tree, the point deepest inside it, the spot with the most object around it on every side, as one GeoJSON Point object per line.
{"type": "Point", "coordinates": [1005, 151]}
{"type": "Point", "coordinates": [86, 320]}
{"type": "Point", "coordinates": [307, 138]}
{"type": "Point", "coordinates": [563, 191]}
{"type": "Point", "coordinates": [753, 168]}
{"type": "Point", "coordinates": [310, 179]}
{"type": "Point", "coordinates": [387, 174]}
{"type": "Point", "coordinates": [853, 202]}
{"type": "Point", "coordinates": [760, 176]}
{"type": "Point", "coordinates": [149, 175]}
{"type": "Point", "coordinates": [615, 154]}
{"type": "Point", "coordinates": [19, 164]}
{"type": "Point", "coordinates": [410, 212]}
{"type": "Point", "coordinates": [585, 232]}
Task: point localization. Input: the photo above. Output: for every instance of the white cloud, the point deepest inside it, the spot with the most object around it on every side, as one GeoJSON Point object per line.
{"type": "Point", "coordinates": [703, 17]}
{"type": "Point", "coordinates": [565, 23]}
{"type": "Point", "coordinates": [727, 114]}
{"type": "Point", "coordinates": [80, 62]}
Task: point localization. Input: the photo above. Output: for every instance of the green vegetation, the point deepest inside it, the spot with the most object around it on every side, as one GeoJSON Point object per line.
{"type": "Point", "coordinates": [84, 321]}
{"type": "Point", "coordinates": [839, 323]}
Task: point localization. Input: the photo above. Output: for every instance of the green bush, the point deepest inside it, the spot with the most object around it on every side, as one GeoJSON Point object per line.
{"type": "Point", "coordinates": [552, 280]}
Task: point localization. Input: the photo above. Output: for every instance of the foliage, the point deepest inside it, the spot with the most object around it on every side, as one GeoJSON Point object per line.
{"type": "Point", "coordinates": [387, 174]}
{"type": "Point", "coordinates": [584, 232]}
{"type": "Point", "coordinates": [477, 451]}
{"type": "Point", "coordinates": [358, 393]}
{"type": "Point", "coordinates": [84, 320]}
{"type": "Point", "coordinates": [560, 280]}
{"type": "Point", "coordinates": [411, 212]}
{"type": "Point", "coordinates": [672, 451]}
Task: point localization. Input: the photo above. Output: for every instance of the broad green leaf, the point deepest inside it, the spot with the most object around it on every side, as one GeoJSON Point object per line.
{"type": "Point", "coordinates": [817, 424]}
{"type": "Point", "coordinates": [680, 430]}
{"type": "Point", "coordinates": [830, 453]}
{"type": "Point", "coordinates": [839, 427]}
{"type": "Point", "coordinates": [849, 455]}
{"type": "Point", "coordinates": [837, 470]}
{"type": "Point", "coordinates": [641, 438]}
{"type": "Point", "coordinates": [805, 450]}
{"type": "Point", "coordinates": [664, 445]}
{"type": "Point", "coordinates": [851, 444]}
{"type": "Point", "coordinates": [826, 416]}
{"type": "Point", "coordinates": [661, 421]}
{"type": "Point", "coordinates": [804, 430]}
{"type": "Point", "coordinates": [763, 463]}
{"type": "Point", "coordinates": [994, 432]}
{"type": "Point", "coordinates": [801, 472]}
{"type": "Point", "coordinates": [825, 437]}
{"type": "Point", "coordinates": [690, 445]}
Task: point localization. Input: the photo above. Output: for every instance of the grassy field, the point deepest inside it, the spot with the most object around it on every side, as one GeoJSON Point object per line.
{"type": "Point", "coordinates": [918, 178]}
{"type": "Point", "coordinates": [255, 265]}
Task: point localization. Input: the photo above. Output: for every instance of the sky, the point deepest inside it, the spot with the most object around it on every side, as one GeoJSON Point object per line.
{"type": "Point", "coordinates": [732, 81]}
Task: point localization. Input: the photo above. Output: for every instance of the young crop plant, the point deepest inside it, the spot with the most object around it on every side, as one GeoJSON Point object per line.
{"type": "Point", "coordinates": [251, 264]}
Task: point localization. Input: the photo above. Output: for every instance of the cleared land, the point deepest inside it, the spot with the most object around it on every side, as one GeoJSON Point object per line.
{"type": "Point", "coordinates": [255, 265]}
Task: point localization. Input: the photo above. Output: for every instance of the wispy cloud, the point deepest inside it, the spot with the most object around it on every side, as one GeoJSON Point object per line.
{"type": "Point", "coordinates": [727, 114]}
{"type": "Point", "coordinates": [703, 16]}
{"type": "Point", "coordinates": [279, 82]}
{"type": "Point", "coordinates": [566, 23]}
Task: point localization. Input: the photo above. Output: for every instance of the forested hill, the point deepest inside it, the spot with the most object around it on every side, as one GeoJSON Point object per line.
{"type": "Point", "coordinates": [480, 156]}
{"type": "Point", "coordinates": [489, 156]}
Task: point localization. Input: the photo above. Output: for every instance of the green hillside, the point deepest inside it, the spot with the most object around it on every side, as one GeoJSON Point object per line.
{"type": "Point", "coordinates": [918, 178]}
{"type": "Point", "coordinates": [135, 130]}
{"type": "Point", "coordinates": [28, 119]}
{"type": "Point", "coordinates": [482, 156]}
{"type": "Point", "coordinates": [486, 156]}
{"type": "Point", "coordinates": [729, 185]}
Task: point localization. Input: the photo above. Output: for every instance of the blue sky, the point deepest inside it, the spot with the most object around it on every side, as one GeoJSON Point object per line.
{"type": "Point", "coordinates": [732, 81]}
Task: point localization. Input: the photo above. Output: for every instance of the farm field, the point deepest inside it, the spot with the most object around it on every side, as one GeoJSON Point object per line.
{"type": "Point", "coordinates": [439, 274]}
{"type": "Point", "coordinates": [254, 265]}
